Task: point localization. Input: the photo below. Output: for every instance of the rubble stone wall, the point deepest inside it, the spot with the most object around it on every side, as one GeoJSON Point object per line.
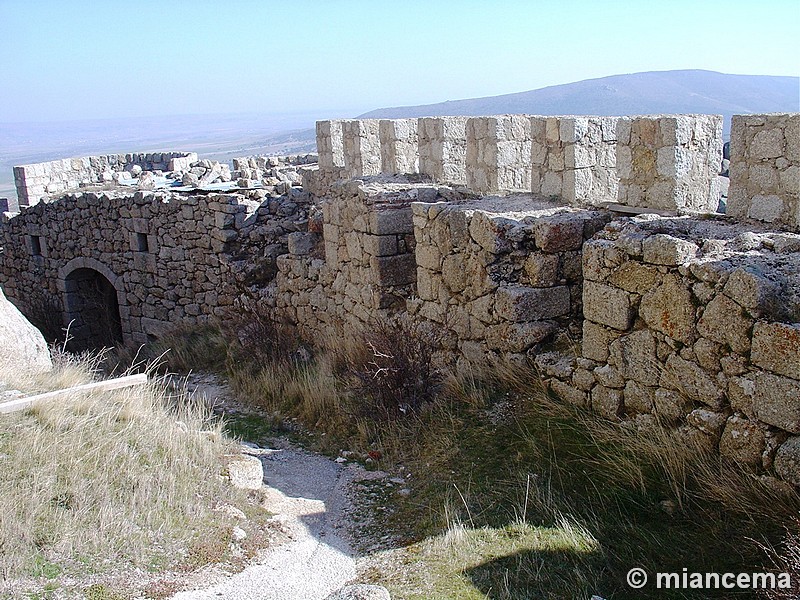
{"type": "Point", "coordinates": [696, 324]}
{"type": "Point", "coordinates": [399, 146]}
{"type": "Point", "coordinates": [362, 264]}
{"type": "Point", "coordinates": [765, 168]}
{"type": "Point", "coordinates": [35, 181]}
{"type": "Point", "coordinates": [501, 275]}
{"type": "Point", "coordinates": [172, 258]}
{"type": "Point", "coordinates": [362, 147]}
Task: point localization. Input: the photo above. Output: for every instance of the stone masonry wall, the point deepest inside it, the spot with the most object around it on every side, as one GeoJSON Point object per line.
{"type": "Point", "coordinates": [695, 324]}
{"type": "Point", "coordinates": [442, 148]}
{"type": "Point", "coordinates": [670, 161]}
{"type": "Point", "coordinates": [501, 275]}
{"type": "Point", "coordinates": [36, 181]}
{"type": "Point", "coordinates": [498, 153]}
{"type": "Point", "coordinates": [575, 158]}
{"type": "Point", "coordinates": [666, 162]}
{"type": "Point", "coordinates": [171, 258]}
{"type": "Point", "coordinates": [765, 168]}
{"type": "Point", "coordinates": [362, 267]}
{"type": "Point", "coordinates": [399, 146]}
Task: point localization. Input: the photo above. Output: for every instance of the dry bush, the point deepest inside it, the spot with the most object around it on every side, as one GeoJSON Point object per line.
{"type": "Point", "coordinates": [394, 372]}
{"type": "Point", "coordinates": [257, 336]}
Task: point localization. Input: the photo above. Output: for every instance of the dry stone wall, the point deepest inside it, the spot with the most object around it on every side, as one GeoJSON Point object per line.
{"type": "Point", "coordinates": [765, 168]}
{"type": "Point", "coordinates": [362, 265]}
{"type": "Point", "coordinates": [37, 181]}
{"type": "Point", "coordinates": [169, 258]}
{"type": "Point", "coordinates": [696, 324]}
{"type": "Point", "coordinates": [501, 275]}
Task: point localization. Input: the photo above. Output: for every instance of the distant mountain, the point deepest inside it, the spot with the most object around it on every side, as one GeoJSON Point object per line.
{"type": "Point", "coordinates": [688, 91]}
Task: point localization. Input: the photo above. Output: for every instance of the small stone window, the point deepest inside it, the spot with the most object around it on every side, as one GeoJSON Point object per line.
{"type": "Point", "coordinates": [36, 245]}
{"type": "Point", "coordinates": [141, 242]}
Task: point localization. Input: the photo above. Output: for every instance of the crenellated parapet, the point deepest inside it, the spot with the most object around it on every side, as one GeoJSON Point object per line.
{"type": "Point", "coordinates": [664, 162]}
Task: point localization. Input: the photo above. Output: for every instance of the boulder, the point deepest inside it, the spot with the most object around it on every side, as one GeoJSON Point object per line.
{"type": "Point", "coordinates": [22, 346]}
{"type": "Point", "coordinates": [245, 472]}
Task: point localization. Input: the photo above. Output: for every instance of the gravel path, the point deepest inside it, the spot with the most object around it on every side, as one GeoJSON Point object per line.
{"type": "Point", "coordinates": [308, 495]}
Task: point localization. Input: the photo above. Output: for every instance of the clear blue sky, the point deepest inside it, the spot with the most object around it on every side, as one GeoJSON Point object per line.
{"type": "Point", "coordinates": [70, 59]}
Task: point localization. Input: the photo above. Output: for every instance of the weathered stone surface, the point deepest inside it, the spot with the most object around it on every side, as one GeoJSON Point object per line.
{"type": "Point", "coordinates": [787, 461]}
{"type": "Point", "coordinates": [670, 406]}
{"type": "Point", "coordinates": [245, 472]}
{"type": "Point", "coordinates": [639, 398]}
{"type": "Point", "coordinates": [725, 322]}
{"type": "Point", "coordinates": [607, 305]}
{"type": "Point", "coordinates": [302, 244]}
{"type": "Point", "coordinates": [22, 346]}
{"type": "Point", "coordinates": [519, 303]}
{"type": "Point", "coordinates": [776, 347]}
{"type": "Point", "coordinates": [596, 340]}
{"type": "Point", "coordinates": [691, 380]}
{"type": "Point", "coordinates": [609, 377]}
{"type": "Point", "coordinates": [607, 402]}
{"type": "Point", "coordinates": [518, 337]}
{"type": "Point", "coordinates": [569, 394]}
{"type": "Point", "coordinates": [707, 421]}
{"type": "Point", "coordinates": [749, 287]}
{"type": "Point", "coordinates": [669, 309]}
{"type": "Point", "coordinates": [635, 277]}
{"type": "Point", "coordinates": [663, 249]}
{"type": "Point", "coordinates": [394, 270]}
{"type": "Point", "coordinates": [634, 355]}
{"type": "Point", "coordinates": [559, 234]}
{"type": "Point", "coordinates": [743, 441]}
{"type": "Point", "coordinates": [776, 400]}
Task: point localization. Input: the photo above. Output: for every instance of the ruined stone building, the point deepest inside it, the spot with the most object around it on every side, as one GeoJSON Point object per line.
{"type": "Point", "coordinates": [510, 234]}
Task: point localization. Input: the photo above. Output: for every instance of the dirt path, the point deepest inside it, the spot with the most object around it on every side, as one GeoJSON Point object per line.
{"type": "Point", "coordinates": [309, 495]}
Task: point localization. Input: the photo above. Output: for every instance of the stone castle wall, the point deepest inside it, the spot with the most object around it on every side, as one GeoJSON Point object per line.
{"type": "Point", "coordinates": [170, 258]}
{"type": "Point", "coordinates": [36, 181]}
{"type": "Point", "coordinates": [496, 231]}
{"type": "Point", "coordinates": [765, 168]}
{"type": "Point", "coordinates": [668, 162]}
{"type": "Point", "coordinates": [697, 324]}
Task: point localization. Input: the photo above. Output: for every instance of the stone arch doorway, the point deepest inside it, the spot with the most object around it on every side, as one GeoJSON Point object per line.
{"type": "Point", "coordinates": [92, 309]}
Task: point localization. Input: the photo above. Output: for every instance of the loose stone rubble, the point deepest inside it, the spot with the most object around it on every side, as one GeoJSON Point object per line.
{"type": "Point", "coordinates": [587, 247]}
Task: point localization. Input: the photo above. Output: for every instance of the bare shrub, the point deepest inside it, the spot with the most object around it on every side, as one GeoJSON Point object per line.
{"type": "Point", "coordinates": [394, 371]}
{"type": "Point", "coordinates": [786, 559]}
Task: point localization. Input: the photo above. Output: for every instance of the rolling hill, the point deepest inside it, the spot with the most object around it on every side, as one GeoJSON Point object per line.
{"type": "Point", "coordinates": [685, 91]}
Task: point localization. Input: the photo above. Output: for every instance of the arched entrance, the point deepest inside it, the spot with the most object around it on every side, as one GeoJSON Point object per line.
{"type": "Point", "coordinates": [92, 310]}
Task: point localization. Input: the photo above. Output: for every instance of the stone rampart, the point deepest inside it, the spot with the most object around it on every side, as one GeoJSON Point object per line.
{"type": "Point", "coordinates": [693, 321]}
{"type": "Point", "coordinates": [36, 181]}
{"type": "Point", "coordinates": [696, 324]}
{"type": "Point", "coordinates": [765, 168]}
{"type": "Point", "coordinates": [575, 158]}
{"type": "Point", "coordinates": [164, 258]}
{"type": "Point", "coordinates": [670, 162]}
{"type": "Point", "coordinates": [667, 162]}
{"type": "Point", "coordinates": [500, 275]}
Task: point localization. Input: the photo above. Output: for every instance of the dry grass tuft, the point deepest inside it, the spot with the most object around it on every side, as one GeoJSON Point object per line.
{"type": "Point", "coordinates": [109, 479]}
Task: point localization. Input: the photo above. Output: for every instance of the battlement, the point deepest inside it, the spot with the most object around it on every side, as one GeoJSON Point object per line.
{"type": "Point", "coordinates": [654, 162]}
